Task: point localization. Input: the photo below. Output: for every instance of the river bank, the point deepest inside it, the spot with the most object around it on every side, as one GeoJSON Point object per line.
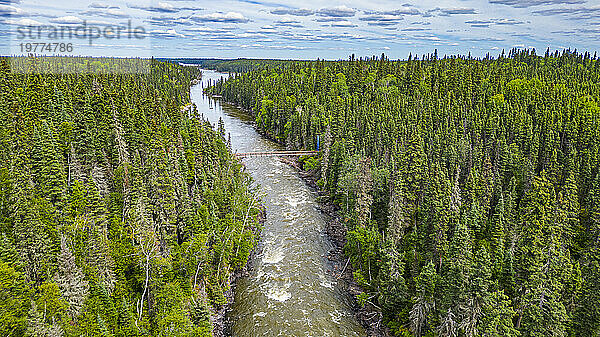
{"type": "Point", "coordinates": [369, 316]}
{"type": "Point", "coordinates": [221, 327]}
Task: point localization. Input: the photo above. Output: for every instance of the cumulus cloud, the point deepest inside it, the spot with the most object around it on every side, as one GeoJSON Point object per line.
{"type": "Point", "coordinates": [229, 17]}
{"type": "Point", "coordinates": [23, 22]}
{"type": "Point", "coordinates": [163, 7]}
{"type": "Point", "coordinates": [456, 11]}
{"type": "Point", "coordinates": [67, 20]}
{"type": "Point", "coordinates": [100, 5]}
{"type": "Point", "coordinates": [415, 29]}
{"type": "Point", "coordinates": [382, 20]}
{"type": "Point", "coordinates": [481, 39]}
{"type": "Point", "coordinates": [110, 12]}
{"type": "Point", "coordinates": [288, 22]}
{"type": "Point", "coordinates": [268, 29]}
{"type": "Point", "coordinates": [294, 12]}
{"type": "Point", "coordinates": [344, 23]}
{"type": "Point", "coordinates": [329, 19]}
{"type": "Point", "coordinates": [487, 23]}
{"type": "Point", "coordinates": [402, 11]}
{"type": "Point", "coordinates": [339, 12]}
{"type": "Point", "coordinates": [210, 30]}
{"type": "Point", "coordinates": [531, 3]}
{"type": "Point", "coordinates": [168, 21]}
{"type": "Point", "coordinates": [254, 35]}
{"type": "Point", "coordinates": [342, 36]}
{"type": "Point", "coordinates": [576, 12]}
{"type": "Point", "coordinates": [169, 33]}
{"type": "Point", "coordinates": [6, 10]}
{"type": "Point", "coordinates": [507, 22]}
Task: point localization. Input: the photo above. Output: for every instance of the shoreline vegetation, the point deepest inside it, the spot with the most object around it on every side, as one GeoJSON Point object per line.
{"type": "Point", "coordinates": [122, 213]}
{"type": "Point", "coordinates": [368, 316]}
{"type": "Point", "coordinates": [468, 188]}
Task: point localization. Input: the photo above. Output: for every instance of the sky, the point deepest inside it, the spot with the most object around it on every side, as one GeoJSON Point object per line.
{"type": "Point", "coordinates": [307, 29]}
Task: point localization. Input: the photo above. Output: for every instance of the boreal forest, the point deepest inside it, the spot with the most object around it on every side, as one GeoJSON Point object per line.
{"type": "Point", "coordinates": [122, 211]}
{"type": "Point", "coordinates": [469, 188]}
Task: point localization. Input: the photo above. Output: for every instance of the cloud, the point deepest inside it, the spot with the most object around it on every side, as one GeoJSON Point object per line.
{"type": "Point", "coordinates": [341, 36]}
{"type": "Point", "coordinates": [526, 35]}
{"type": "Point", "coordinates": [168, 21]}
{"type": "Point", "coordinates": [247, 35]}
{"type": "Point", "coordinates": [381, 20]}
{"type": "Point", "coordinates": [479, 22]}
{"type": "Point", "coordinates": [338, 12]}
{"type": "Point", "coordinates": [23, 22]}
{"type": "Point", "coordinates": [268, 29]}
{"type": "Point", "coordinates": [111, 12]}
{"type": "Point", "coordinates": [427, 37]}
{"type": "Point", "coordinates": [67, 20]}
{"type": "Point", "coordinates": [402, 11]}
{"type": "Point", "coordinates": [163, 7]}
{"type": "Point", "coordinates": [294, 12]}
{"type": "Point", "coordinates": [169, 33]}
{"type": "Point", "coordinates": [456, 11]}
{"type": "Point", "coordinates": [589, 31]}
{"type": "Point", "coordinates": [577, 12]}
{"type": "Point", "coordinates": [507, 22]}
{"type": "Point", "coordinates": [299, 36]}
{"type": "Point", "coordinates": [100, 5]}
{"type": "Point", "coordinates": [229, 17]}
{"type": "Point", "coordinates": [481, 39]}
{"type": "Point", "coordinates": [210, 30]}
{"type": "Point", "coordinates": [532, 3]}
{"type": "Point", "coordinates": [415, 29]}
{"type": "Point", "coordinates": [289, 47]}
{"type": "Point", "coordinates": [100, 23]}
{"type": "Point", "coordinates": [6, 10]}
{"type": "Point", "coordinates": [288, 22]}
{"type": "Point", "coordinates": [487, 23]}
{"type": "Point", "coordinates": [329, 19]}
{"type": "Point", "coordinates": [344, 23]}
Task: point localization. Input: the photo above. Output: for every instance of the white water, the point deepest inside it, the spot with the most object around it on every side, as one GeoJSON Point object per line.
{"type": "Point", "coordinates": [290, 290]}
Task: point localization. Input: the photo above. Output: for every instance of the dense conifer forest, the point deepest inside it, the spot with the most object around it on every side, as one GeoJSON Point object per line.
{"type": "Point", "coordinates": [122, 212]}
{"type": "Point", "coordinates": [470, 188]}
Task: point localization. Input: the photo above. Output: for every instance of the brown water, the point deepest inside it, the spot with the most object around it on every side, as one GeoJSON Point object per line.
{"type": "Point", "coordinates": [289, 291]}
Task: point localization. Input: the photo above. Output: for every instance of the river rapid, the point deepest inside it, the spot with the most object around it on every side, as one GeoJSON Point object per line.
{"type": "Point", "coordinates": [290, 290]}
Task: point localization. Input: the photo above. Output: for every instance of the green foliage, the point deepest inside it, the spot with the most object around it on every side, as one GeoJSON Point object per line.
{"type": "Point", "coordinates": [14, 300]}
{"type": "Point", "coordinates": [469, 187]}
{"type": "Point", "coordinates": [119, 214]}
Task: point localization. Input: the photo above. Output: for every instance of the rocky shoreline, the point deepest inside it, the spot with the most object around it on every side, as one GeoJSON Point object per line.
{"type": "Point", "coordinates": [368, 316]}
{"type": "Point", "coordinates": [218, 319]}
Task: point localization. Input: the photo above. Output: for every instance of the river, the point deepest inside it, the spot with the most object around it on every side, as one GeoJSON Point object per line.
{"type": "Point", "coordinates": [290, 290]}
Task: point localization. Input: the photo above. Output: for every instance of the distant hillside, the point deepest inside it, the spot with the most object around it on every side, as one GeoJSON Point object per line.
{"type": "Point", "coordinates": [237, 65]}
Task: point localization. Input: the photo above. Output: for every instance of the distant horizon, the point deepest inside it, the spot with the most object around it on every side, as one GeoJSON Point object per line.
{"type": "Point", "coordinates": [418, 56]}
{"type": "Point", "coordinates": [282, 30]}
